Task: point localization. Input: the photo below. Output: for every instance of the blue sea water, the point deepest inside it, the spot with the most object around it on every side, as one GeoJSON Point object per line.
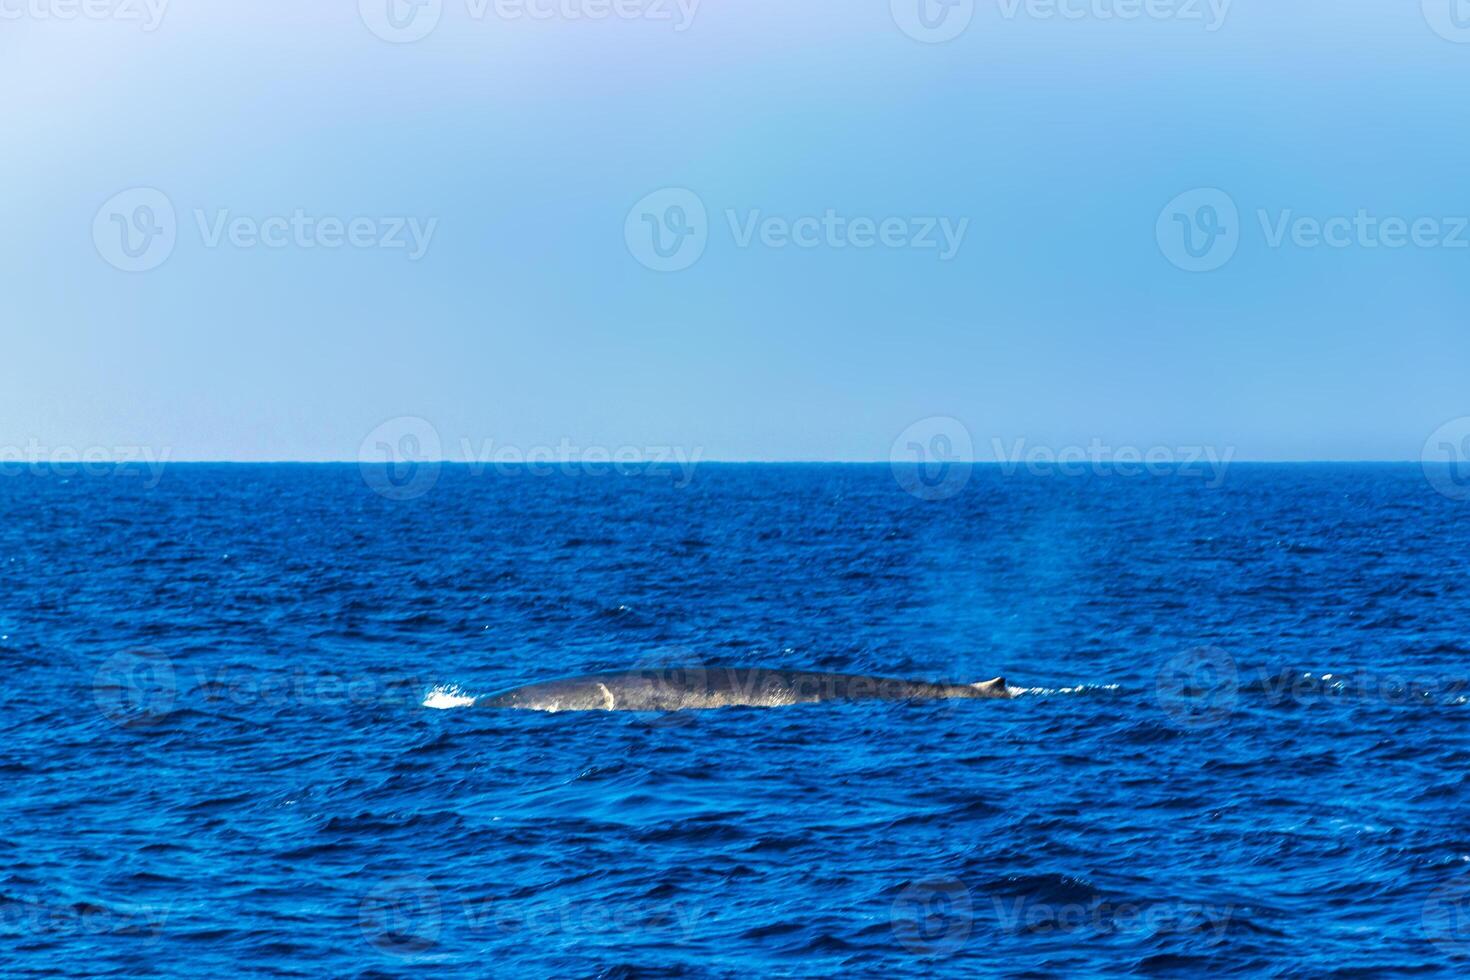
{"type": "Point", "coordinates": [231, 745]}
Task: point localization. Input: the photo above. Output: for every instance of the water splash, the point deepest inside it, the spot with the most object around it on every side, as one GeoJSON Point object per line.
{"type": "Point", "coordinates": [447, 696]}
{"type": "Point", "coordinates": [1046, 692]}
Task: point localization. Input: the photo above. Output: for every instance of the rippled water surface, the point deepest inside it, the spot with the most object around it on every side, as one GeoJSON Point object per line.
{"type": "Point", "coordinates": [231, 747]}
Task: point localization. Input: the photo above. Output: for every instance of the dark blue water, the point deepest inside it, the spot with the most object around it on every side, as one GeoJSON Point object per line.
{"type": "Point", "coordinates": [218, 761]}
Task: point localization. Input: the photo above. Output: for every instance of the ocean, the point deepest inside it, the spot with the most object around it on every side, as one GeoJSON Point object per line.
{"type": "Point", "coordinates": [239, 739]}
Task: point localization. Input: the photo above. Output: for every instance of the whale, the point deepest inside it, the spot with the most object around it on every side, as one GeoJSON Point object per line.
{"type": "Point", "coordinates": [684, 689]}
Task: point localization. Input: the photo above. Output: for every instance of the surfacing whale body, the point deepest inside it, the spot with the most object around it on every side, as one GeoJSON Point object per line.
{"type": "Point", "coordinates": [725, 687]}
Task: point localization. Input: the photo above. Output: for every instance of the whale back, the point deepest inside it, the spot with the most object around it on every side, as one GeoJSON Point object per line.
{"type": "Point", "coordinates": [723, 687]}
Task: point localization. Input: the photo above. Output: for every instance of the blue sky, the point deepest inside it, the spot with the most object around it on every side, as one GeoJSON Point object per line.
{"type": "Point", "coordinates": [1063, 315]}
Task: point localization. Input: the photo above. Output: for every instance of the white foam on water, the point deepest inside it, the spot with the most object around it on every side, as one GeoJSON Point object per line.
{"type": "Point", "coordinates": [447, 696]}
{"type": "Point", "coordinates": [1046, 692]}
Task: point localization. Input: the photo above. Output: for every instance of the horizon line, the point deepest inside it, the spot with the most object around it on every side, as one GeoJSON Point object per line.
{"type": "Point", "coordinates": [720, 462]}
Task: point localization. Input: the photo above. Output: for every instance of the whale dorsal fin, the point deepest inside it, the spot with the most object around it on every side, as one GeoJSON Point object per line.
{"type": "Point", "coordinates": [993, 688]}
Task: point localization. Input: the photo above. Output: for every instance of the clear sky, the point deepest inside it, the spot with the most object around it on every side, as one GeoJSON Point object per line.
{"type": "Point", "coordinates": [1052, 139]}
